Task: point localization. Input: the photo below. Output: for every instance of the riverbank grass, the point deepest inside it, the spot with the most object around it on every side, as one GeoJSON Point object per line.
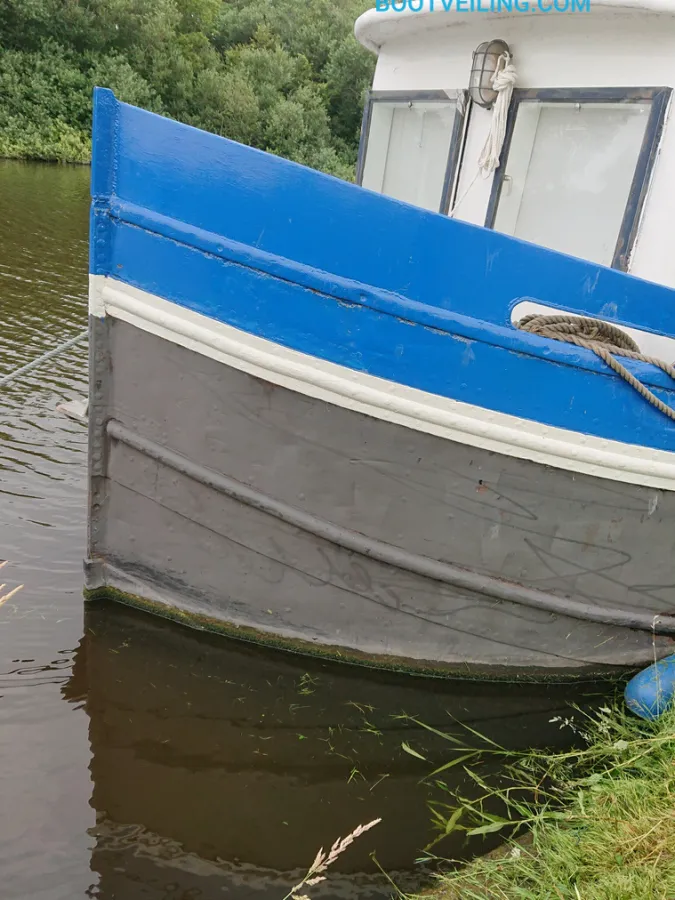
{"type": "Point", "coordinates": [599, 822]}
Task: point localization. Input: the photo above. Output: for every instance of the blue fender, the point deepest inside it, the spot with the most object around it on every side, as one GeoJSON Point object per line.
{"type": "Point", "coordinates": [649, 693]}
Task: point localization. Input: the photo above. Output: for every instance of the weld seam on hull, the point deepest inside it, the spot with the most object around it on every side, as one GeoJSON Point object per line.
{"type": "Point", "coordinates": [436, 570]}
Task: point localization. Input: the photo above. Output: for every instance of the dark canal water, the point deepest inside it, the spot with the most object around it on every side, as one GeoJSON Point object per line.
{"type": "Point", "coordinates": [142, 760]}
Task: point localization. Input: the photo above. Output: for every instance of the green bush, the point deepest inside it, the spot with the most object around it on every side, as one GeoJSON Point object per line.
{"type": "Point", "coordinates": [282, 75]}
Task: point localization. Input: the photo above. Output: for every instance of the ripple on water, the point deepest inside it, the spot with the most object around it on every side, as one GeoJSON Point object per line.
{"type": "Point", "coordinates": [44, 753]}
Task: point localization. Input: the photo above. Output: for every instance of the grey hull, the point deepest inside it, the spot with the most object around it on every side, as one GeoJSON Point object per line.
{"type": "Point", "coordinates": [231, 502]}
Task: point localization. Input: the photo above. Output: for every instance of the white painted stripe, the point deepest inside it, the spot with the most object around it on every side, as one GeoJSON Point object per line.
{"type": "Point", "coordinates": [382, 399]}
{"type": "Point", "coordinates": [96, 285]}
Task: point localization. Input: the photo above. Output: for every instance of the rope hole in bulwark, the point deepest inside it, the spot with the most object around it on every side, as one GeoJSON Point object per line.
{"type": "Point", "coordinates": [606, 341]}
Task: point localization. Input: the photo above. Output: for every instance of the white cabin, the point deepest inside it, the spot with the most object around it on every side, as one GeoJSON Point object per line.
{"type": "Point", "coordinates": [587, 165]}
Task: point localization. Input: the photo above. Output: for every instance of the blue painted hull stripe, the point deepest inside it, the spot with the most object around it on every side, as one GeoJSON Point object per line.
{"type": "Point", "coordinates": [268, 203]}
{"type": "Point", "coordinates": [347, 290]}
{"type": "Point", "coordinates": [346, 275]}
{"type": "Point", "coordinates": [361, 338]}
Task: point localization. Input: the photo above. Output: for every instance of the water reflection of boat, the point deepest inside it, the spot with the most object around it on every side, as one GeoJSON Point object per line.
{"type": "Point", "coordinates": [233, 763]}
{"type": "Point", "coordinates": [315, 418]}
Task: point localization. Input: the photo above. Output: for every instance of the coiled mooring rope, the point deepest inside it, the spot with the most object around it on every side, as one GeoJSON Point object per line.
{"type": "Point", "coordinates": [606, 341]}
{"type": "Point", "coordinates": [50, 354]}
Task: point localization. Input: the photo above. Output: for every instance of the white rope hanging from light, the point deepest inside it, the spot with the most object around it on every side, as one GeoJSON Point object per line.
{"type": "Point", "coordinates": [503, 81]}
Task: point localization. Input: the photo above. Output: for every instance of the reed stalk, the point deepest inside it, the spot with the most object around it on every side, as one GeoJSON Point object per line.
{"type": "Point", "coordinates": [316, 872]}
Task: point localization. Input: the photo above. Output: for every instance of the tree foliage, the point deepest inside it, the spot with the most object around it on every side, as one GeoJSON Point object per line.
{"type": "Point", "coordinates": [283, 75]}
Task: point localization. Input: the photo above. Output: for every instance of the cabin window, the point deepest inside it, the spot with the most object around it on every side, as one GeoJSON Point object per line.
{"type": "Point", "coordinates": [409, 146]}
{"type": "Point", "coordinates": [575, 168]}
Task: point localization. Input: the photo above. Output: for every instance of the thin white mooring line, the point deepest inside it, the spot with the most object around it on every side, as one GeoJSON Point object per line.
{"type": "Point", "coordinates": [50, 354]}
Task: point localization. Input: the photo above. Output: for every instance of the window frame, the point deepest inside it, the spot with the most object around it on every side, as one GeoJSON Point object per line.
{"type": "Point", "coordinates": [459, 126]}
{"type": "Point", "coordinates": [659, 98]}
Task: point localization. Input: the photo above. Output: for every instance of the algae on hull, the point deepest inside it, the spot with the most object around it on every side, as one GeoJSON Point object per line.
{"type": "Point", "coordinates": [201, 622]}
